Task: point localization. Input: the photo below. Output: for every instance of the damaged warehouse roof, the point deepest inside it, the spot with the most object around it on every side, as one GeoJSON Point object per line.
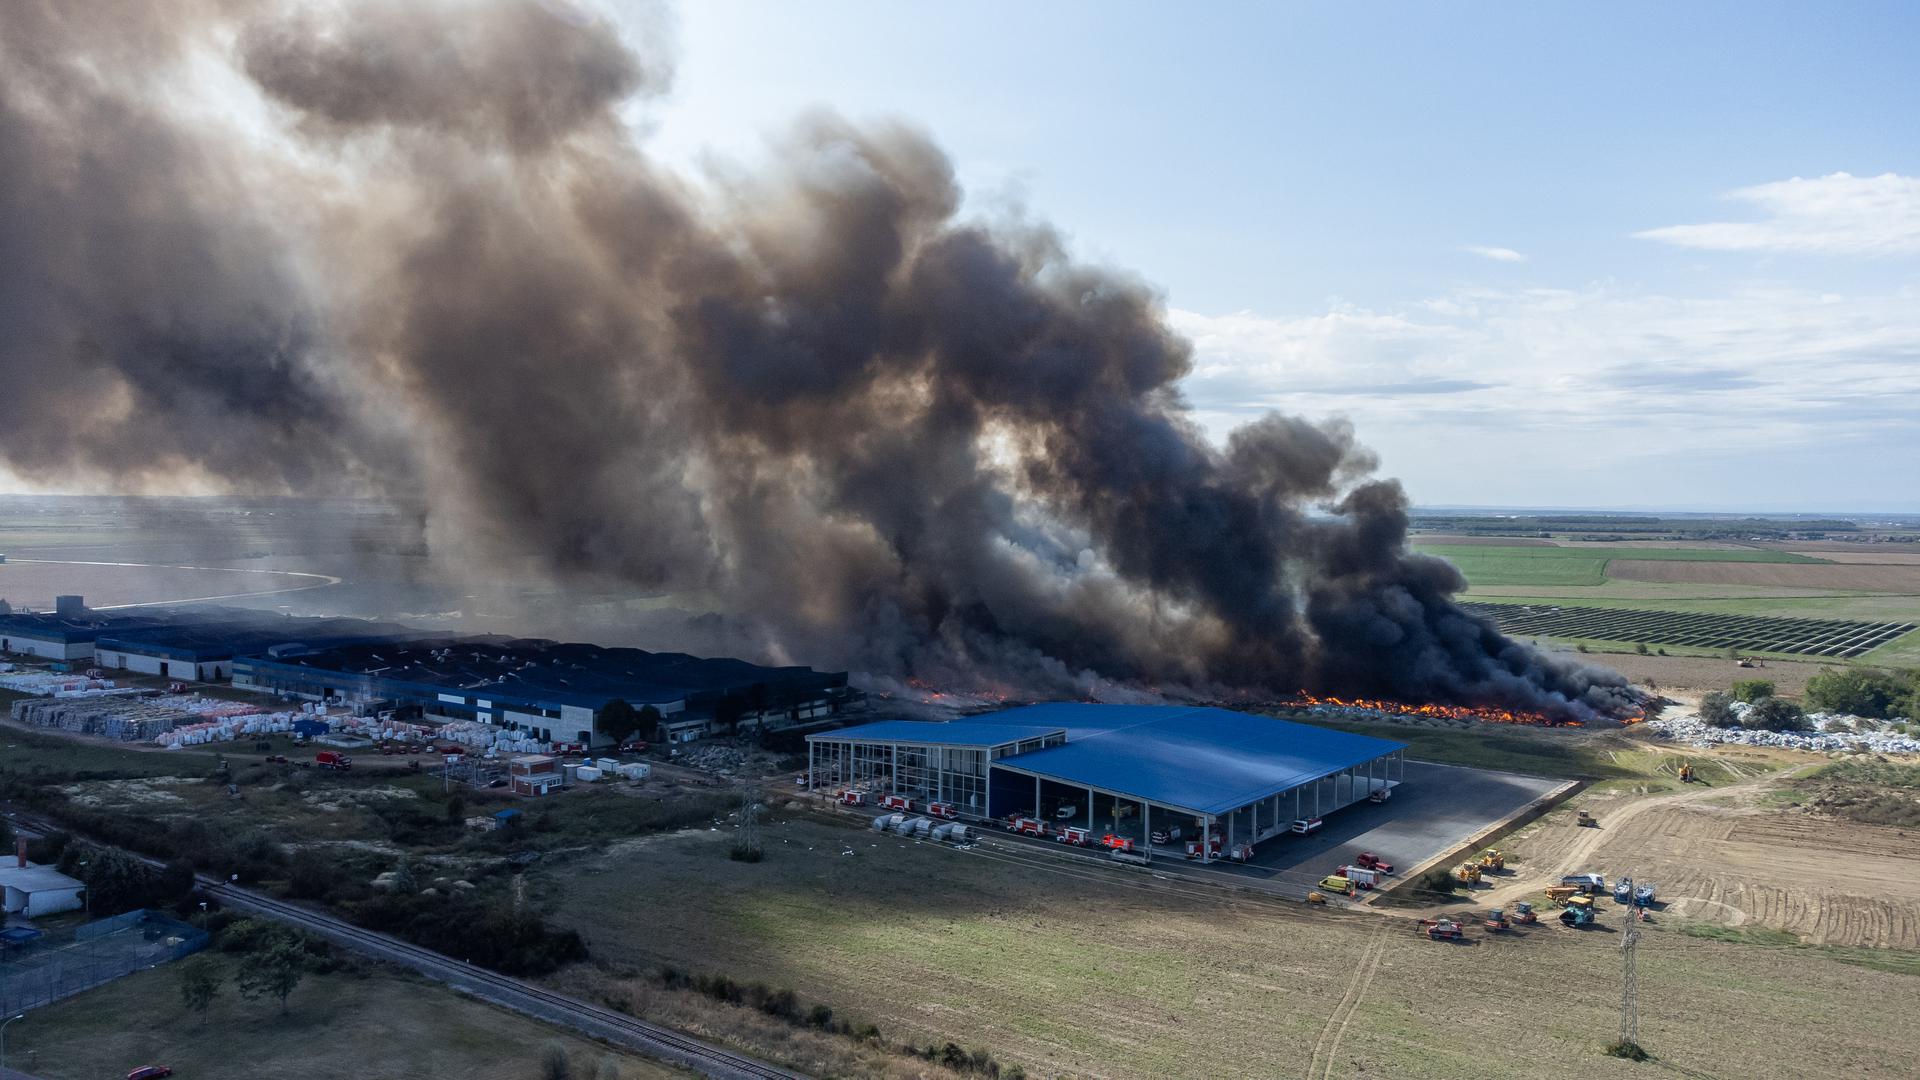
{"type": "Point", "coordinates": [250, 633]}
{"type": "Point", "coordinates": [540, 670]}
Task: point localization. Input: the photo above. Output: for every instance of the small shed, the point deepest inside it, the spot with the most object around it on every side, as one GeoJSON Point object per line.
{"type": "Point", "coordinates": [33, 890]}
{"type": "Point", "coordinates": [506, 819]}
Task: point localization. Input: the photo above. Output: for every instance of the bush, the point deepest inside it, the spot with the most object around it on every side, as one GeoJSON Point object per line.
{"type": "Point", "coordinates": [1640, 647]}
{"type": "Point", "coordinates": [1866, 692]}
{"type": "Point", "coordinates": [1629, 1050]}
{"type": "Point", "coordinates": [1716, 708]}
{"type": "Point", "coordinates": [1438, 880]}
{"type": "Point", "coordinates": [554, 1064]}
{"type": "Point", "coordinates": [1752, 690]}
{"type": "Point", "coordinates": [1774, 714]}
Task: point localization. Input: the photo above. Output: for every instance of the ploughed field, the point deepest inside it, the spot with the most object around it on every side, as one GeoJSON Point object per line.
{"type": "Point", "coordinates": [1110, 972]}
{"type": "Point", "coordinates": [1734, 854]}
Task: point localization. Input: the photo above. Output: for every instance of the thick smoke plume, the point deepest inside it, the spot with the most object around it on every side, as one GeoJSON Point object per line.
{"type": "Point", "coordinates": [414, 247]}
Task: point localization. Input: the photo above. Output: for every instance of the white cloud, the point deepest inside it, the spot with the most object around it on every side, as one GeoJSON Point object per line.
{"type": "Point", "coordinates": [1830, 215]}
{"type": "Point", "coordinates": [1594, 396]}
{"type": "Point", "coordinates": [1497, 254]}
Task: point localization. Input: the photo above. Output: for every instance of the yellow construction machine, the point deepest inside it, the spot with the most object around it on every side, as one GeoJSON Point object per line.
{"type": "Point", "coordinates": [1467, 873]}
{"type": "Point", "coordinates": [1686, 772]}
{"type": "Point", "coordinates": [1492, 859]}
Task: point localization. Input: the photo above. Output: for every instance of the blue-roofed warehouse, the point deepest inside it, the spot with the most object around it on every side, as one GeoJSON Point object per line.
{"type": "Point", "coordinates": [1134, 770]}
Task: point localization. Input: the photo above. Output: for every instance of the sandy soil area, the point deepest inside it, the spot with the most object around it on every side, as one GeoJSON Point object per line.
{"type": "Point", "coordinates": [1877, 578]}
{"type": "Point", "coordinates": [1726, 855]}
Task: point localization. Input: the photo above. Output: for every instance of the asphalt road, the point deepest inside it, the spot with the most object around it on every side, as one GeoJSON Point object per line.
{"type": "Point", "coordinates": [503, 990]}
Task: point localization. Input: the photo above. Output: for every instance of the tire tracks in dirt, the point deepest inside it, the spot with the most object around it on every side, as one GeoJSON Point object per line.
{"type": "Point", "coordinates": [1335, 1028]}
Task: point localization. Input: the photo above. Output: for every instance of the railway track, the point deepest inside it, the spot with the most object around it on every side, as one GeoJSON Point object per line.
{"type": "Point", "coordinates": [504, 990]}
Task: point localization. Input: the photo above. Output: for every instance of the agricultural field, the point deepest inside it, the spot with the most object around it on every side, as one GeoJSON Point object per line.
{"type": "Point", "coordinates": [370, 1024]}
{"type": "Point", "coordinates": [1652, 583]}
{"type": "Point", "coordinates": [1107, 973]}
{"type": "Point", "coordinates": [1839, 638]}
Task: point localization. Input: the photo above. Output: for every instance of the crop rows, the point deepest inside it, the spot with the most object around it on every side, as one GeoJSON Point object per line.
{"type": "Point", "coordinates": [1840, 638]}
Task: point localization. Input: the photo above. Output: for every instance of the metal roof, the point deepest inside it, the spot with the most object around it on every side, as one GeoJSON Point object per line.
{"type": "Point", "coordinates": [1209, 761]}
{"type": "Point", "coordinates": [950, 733]}
{"type": "Point", "coordinates": [34, 878]}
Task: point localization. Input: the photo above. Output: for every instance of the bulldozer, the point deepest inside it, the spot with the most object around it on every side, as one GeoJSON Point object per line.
{"type": "Point", "coordinates": [1686, 772]}
{"type": "Point", "coordinates": [1492, 859]}
{"type": "Point", "coordinates": [1578, 913]}
{"type": "Point", "coordinates": [1586, 820]}
{"type": "Point", "coordinates": [1467, 873]}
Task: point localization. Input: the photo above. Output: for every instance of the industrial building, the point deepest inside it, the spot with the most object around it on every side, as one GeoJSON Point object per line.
{"type": "Point", "coordinates": [69, 631]}
{"type": "Point", "coordinates": [1131, 769]}
{"type": "Point", "coordinates": [205, 650]}
{"type": "Point", "coordinates": [555, 691]}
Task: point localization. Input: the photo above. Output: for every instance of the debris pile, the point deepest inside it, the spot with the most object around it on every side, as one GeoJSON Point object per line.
{"type": "Point", "coordinates": [54, 684]}
{"type": "Point", "coordinates": [1846, 734]}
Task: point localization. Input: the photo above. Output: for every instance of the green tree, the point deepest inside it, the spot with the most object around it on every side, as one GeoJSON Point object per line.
{"type": "Point", "coordinates": [1716, 708]}
{"type": "Point", "coordinates": [554, 1064]}
{"type": "Point", "coordinates": [456, 808]}
{"type": "Point", "coordinates": [1774, 714]}
{"type": "Point", "coordinates": [650, 721]}
{"type": "Point", "coordinates": [274, 968]}
{"type": "Point", "coordinates": [618, 720]}
{"type": "Point", "coordinates": [1864, 692]}
{"type": "Point", "coordinates": [1752, 690]}
{"type": "Point", "coordinates": [1640, 647]}
{"type": "Point", "coordinates": [199, 985]}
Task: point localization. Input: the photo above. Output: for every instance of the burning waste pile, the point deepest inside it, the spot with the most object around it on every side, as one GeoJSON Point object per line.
{"type": "Point", "coordinates": [432, 260]}
{"type": "Point", "coordinates": [1450, 715]}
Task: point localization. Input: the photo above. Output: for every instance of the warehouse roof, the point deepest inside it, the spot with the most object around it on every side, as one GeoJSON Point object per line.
{"type": "Point", "coordinates": [954, 733]}
{"type": "Point", "coordinates": [538, 670]}
{"type": "Point", "coordinates": [1209, 761]}
{"type": "Point", "coordinates": [249, 633]}
{"type": "Point", "coordinates": [34, 878]}
{"type": "Point", "coordinates": [70, 629]}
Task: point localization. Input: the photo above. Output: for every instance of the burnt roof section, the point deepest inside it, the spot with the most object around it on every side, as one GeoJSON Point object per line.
{"type": "Point", "coordinates": [250, 634]}
{"type": "Point", "coordinates": [540, 670]}
{"type": "Point", "coordinates": [91, 625]}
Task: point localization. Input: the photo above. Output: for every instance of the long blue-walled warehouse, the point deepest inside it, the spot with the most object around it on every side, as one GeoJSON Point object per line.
{"type": "Point", "coordinates": [1133, 768]}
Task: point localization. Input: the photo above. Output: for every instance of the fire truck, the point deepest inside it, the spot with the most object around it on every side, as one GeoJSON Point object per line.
{"type": "Point", "coordinates": [896, 802]}
{"type": "Point", "coordinates": [942, 810]}
{"type": "Point", "coordinates": [1117, 843]}
{"type": "Point", "coordinates": [1076, 836]}
{"type": "Point", "coordinates": [1027, 826]}
{"type": "Point", "coordinates": [851, 797]}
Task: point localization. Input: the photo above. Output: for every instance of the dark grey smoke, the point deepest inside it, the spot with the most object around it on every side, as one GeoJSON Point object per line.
{"type": "Point", "coordinates": [435, 261]}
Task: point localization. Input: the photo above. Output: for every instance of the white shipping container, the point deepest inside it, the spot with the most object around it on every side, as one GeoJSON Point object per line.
{"type": "Point", "coordinates": [588, 774]}
{"type": "Point", "coordinates": [607, 764]}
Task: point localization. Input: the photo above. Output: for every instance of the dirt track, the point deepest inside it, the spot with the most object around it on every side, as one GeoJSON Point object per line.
{"type": "Point", "coordinates": [1720, 854]}
{"type": "Point", "coordinates": [1872, 578]}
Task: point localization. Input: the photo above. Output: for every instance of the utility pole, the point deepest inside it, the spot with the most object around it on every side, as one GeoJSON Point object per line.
{"type": "Point", "coordinates": [750, 822]}
{"type": "Point", "coordinates": [1629, 1042]}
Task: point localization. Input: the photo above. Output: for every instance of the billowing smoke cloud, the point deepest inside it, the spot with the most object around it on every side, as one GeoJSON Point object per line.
{"type": "Point", "coordinates": [431, 258]}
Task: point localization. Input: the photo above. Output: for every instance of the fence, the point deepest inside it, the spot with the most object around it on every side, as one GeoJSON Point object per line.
{"type": "Point", "coordinates": [60, 966]}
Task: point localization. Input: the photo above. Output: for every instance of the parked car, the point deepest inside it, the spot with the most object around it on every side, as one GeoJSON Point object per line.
{"type": "Point", "coordinates": [150, 1072]}
{"type": "Point", "coordinates": [1067, 811]}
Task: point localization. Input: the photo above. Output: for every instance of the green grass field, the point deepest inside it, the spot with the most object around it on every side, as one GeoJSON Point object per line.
{"type": "Point", "coordinates": [1576, 577]}
{"type": "Point", "coordinates": [1075, 973]}
{"type": "Point", "coordinates": [379, 1025]}
{"type": "Point", "coordinates": [1490, 564]}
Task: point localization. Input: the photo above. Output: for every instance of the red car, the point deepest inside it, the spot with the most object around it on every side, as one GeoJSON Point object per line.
{"type": "Point", "coordinates": [150, 1072]}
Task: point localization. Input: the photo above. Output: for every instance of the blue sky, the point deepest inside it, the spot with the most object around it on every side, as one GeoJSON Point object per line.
{"type": "Point", "coordinates": [1540, 254]}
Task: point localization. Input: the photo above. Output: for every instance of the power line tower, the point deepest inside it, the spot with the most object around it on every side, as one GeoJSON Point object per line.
{"type": "Point", "coordinates": [1630, 990]}
{"type": "Point", "coordinates": [746, 848]}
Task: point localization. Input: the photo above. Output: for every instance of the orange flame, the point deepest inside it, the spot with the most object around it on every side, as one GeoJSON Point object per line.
{"type": "Point", "coordinates": [1441, 712]}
